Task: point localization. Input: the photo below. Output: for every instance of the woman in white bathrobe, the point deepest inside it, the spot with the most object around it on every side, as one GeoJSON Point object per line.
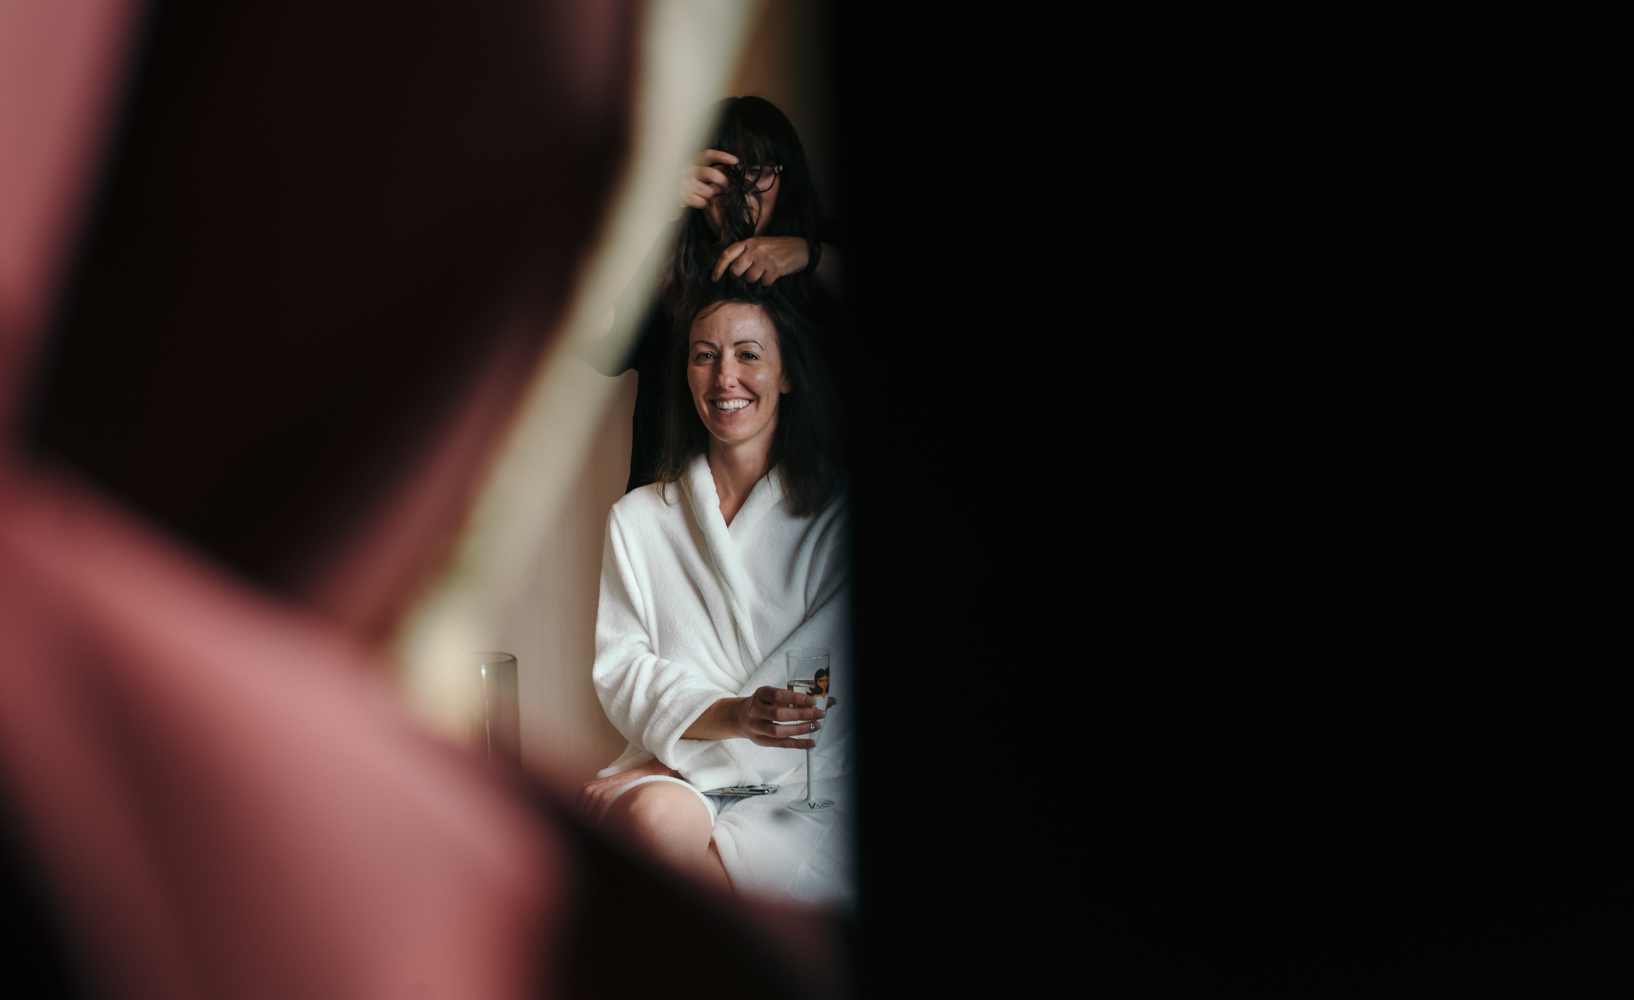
{"type": "Point", "coordinates": [737, 554]}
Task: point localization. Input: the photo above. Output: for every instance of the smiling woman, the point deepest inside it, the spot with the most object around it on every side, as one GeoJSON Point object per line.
{"type": "Point", "coordinates": [735, 372]}
{"type": "Point", "coordinates": [709, 575]}
{"type": "Point", "coordinates": [750, 371]}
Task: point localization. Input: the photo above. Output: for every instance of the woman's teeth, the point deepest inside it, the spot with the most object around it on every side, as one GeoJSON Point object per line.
{"type": "Point", "coordinates": [730, 404]}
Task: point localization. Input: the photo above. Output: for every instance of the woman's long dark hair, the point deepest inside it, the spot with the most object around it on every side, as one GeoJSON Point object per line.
{"type": "Point", "coordinates": [758, 134]}
{"type": "Point", "coordinates": [806, 446]}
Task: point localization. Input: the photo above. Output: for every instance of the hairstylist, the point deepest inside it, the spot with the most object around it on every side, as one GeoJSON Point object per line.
{"type": "Point", "coordinates": [750, 214]}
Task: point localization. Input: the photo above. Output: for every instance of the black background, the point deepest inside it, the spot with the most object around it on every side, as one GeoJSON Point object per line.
{"type": "Point", "coordinates": [1233, 476]}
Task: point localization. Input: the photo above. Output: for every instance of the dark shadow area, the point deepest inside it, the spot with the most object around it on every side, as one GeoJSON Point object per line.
{"type": "Point", "coordinates": [35, 960]}
{"type": "Point", "coordinates": [1204, 432]}
{"type": "Point", "coordinates": [317, 223]}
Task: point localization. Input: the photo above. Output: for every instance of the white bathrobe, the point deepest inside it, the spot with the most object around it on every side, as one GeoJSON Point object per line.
{"type": "Point", "coordinates": [693, 611]}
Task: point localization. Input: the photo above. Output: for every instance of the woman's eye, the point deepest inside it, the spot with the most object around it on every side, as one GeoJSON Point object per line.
{"type": "Point", "coordinates": [704, 356]}
{"type": "Point", "coordinates": [748, 356]}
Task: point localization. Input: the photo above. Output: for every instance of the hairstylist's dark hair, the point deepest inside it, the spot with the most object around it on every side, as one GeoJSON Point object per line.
{"type": "Point", "coordinates": [806, 448]}
{"type": "Point", "coordinates": [758, 134]}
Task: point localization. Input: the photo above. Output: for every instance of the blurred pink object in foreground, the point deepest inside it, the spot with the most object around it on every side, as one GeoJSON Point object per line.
{"type": "Point", "coordinates": [207, 773]}
{"type": "Point", "coordinates": [217, 793]}
{"type": "Point", "coordinates": [224, 801]}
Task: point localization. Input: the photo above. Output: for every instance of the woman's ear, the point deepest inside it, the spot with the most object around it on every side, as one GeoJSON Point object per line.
{"type": "Point", "coordinates": [783, 384]}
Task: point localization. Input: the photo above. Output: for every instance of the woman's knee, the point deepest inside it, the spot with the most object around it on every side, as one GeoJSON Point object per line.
{"type": "Point", "coordinates": [662, 811]}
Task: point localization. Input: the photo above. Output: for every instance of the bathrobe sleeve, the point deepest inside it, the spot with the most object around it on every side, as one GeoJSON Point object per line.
{"type": "Point", "coordinates": [649, 699]}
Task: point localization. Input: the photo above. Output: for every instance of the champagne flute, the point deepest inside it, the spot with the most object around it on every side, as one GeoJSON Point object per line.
{"type": "Point", "coordinates": [809, 674]}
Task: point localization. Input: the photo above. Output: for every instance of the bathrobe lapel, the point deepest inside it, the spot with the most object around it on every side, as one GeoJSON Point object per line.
{"type": "Point", "coordinates": [725, 556]}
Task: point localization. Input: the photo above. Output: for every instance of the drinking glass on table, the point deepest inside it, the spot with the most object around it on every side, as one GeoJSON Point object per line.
{"type": "Point", "coordinates": [808, 674]}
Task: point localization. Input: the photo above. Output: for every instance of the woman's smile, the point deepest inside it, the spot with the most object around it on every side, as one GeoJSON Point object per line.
{"type": "Point", "coordinates": [732, 413]}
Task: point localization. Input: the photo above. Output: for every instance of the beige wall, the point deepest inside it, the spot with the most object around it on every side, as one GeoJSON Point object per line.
{"type": "Point", "coordinates": [552, 622]}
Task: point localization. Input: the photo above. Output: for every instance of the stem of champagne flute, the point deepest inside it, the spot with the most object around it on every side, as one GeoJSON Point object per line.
{"type": "Point", "coordinates": [808, 776]}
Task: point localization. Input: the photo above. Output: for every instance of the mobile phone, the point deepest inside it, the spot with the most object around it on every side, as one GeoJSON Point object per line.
{"type": "Point", "coordinates": [744, 791]}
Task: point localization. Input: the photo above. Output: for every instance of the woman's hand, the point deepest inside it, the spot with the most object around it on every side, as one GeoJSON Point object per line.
{"type": "Point", "coordinates": [700, 182]}
{"type": "Point", "coordinates": [598, 793]}
{"type": "Point", "coordinates": [771, 717]}
{"type": "Point", "coordinates": [775, 717]}
{"type": "Point", "coordinates": [764, 259]}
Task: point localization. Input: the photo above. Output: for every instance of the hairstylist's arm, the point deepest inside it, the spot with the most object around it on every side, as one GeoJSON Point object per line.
{"type": "Point", "coordinates": [767, 258]}
{"type": "Point", "coordinates": [700, 181]}
{"type": "Point", "coordinates": [764, 259]}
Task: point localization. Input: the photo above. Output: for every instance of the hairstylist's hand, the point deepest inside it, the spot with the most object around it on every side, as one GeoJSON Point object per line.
{"type": "Point", "coordinates": [764, 259]}
{"type": "Point", "coordinates": [775, 717]}
{"type": "Point", "coordinates": [700, 181]}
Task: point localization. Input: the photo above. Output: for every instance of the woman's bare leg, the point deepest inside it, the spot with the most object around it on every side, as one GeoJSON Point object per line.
{"type": "Point", "coordinates": [670, 823]}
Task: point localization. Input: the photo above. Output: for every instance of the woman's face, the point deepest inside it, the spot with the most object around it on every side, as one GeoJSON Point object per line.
{"type": "Point", "coordinates": [735, 373]}
{"type": "Point", "coordinates": [759, 203]}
